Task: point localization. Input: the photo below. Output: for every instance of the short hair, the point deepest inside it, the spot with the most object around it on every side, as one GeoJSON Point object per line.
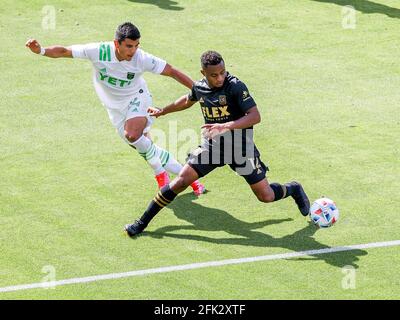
{"type": "Point", "coordinates": [210, 58]}
{"type": "Point", "coordinates": [127, 30]}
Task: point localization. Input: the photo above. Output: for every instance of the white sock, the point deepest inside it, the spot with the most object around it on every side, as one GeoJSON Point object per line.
{"type": "Point", "coordinates": [173, 166]}
{"type": "Point", "coordinates": [168, 161]}
{"type": "Point", "coordinates": [148, 150]}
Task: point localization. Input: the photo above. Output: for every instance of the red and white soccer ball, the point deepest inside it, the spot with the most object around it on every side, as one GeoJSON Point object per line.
{"type": "Point", "coordinates": [324, 212]}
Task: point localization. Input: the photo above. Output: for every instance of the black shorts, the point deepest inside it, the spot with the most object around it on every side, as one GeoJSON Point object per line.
{"type": "Point", "coordinates": [251, 168]}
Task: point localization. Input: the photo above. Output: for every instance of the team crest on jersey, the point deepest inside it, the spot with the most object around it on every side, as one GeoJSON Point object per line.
{"type": "Point", "coordinates": [130, 75]}
{"type": "Point", "coordinates": [222, 100]}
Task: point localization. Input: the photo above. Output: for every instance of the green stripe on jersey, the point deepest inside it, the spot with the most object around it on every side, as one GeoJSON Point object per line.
{"type": "Point", "coordinates": [101, 52]}
{"type": "Point", "coordinates": [105, 52]}
{"type": "Point", "coordinates": [108, 52]}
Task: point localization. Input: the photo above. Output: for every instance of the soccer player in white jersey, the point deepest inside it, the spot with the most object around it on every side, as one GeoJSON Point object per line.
{"type": "Point", "coordinates": [118, 68]}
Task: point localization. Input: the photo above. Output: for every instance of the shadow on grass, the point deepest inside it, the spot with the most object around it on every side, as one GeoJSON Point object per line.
{"type": "Point", "coordinates": [208, 219]}
{"type": "Point", "coordinates": [162, 4]}
{"type": "Point", "coordinates": [367, 7]}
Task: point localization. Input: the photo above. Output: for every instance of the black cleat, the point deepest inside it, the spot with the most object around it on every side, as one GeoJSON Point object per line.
{"type": "Point", "coordinates": [301, 198]}
{"type": "Point", "coordinates": [135, 228]}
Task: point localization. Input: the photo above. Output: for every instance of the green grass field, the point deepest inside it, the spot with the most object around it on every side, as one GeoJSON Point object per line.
{"type": "Point", "coordinates": [328, 97]}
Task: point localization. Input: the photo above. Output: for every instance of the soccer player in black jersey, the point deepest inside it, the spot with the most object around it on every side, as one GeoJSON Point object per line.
{"type": "Point", "coordinates": [229, 112]}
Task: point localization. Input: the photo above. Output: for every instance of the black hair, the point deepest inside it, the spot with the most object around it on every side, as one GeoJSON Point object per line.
{"type": "Point", "coordinates": [127, 30]}
{"type": "Point", "coordinates": [210, 58]}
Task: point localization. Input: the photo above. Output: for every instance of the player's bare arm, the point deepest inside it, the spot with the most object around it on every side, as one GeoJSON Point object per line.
{"type": "Point", "coordinates": [251, 118]}
{"type": "Point", "coordinates": [51, 52]}
{"type": "Point", "coordinates": [179, 76]}
{"type": "Point", "coordinates": [180, 104]}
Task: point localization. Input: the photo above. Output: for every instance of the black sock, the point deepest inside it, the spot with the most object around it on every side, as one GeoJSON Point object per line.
{"type": "Point", "coordinates": [290, 188]}
{"type": "Point", "coordinates": [282, 191]}
{"type": "Point", "coordinates": [163, 198]}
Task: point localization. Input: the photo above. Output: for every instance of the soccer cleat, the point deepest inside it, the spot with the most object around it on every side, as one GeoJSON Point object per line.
{"type": "Point", "coordinates": [162, 179]}
{"type": "Point", "coordinates": [300, 198]}
{"type": "Point", "coordinates": [135, 228]}
{"type": "Point", "coordinates": [198, 188]}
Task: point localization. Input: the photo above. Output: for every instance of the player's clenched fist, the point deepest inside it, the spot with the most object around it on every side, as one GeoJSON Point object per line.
{"type": "Point", "coordinates": [33, 45]}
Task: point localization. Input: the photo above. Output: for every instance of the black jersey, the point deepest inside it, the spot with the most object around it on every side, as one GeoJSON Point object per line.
{"type": "Point", "coordinates": [219, 105]}
{"type": "Point", "coordinates": [227, 103]}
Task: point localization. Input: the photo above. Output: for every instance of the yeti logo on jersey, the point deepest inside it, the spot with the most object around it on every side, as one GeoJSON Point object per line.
{"type": "Point", "coordinates": [130, 75]}
{"type": "Point", "coordinates": [113, 81]}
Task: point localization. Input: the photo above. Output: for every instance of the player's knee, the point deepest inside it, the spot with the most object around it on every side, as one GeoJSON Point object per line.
{"type": "Point", "coordinates": [132, 136]}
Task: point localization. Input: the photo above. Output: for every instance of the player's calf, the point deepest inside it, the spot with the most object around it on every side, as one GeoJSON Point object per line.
{"type": "Point", "coordinates": [171, 165]}
{"type": "Point", "coordinates": [180, 184]}
{"type": "Point", "coordinates": [164, 197]}
{"type": "Point", "coordinates": [148, 150]}
{"type": "Point", "coordinates": [266, 195]}
{"type": "Point", "coordinates": [263, 191]}
{"type": "Point", "coordinates": [186, 177]}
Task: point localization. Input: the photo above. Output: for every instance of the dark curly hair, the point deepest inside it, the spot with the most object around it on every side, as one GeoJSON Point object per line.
{"type": "Point", "coordinates": [210, 58]}
{"type": "Point", "coordinates": [127, 30]}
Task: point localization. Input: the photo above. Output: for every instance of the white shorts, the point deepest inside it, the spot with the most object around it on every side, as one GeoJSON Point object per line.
{"type": "Point", "coordinates": [136, 106]}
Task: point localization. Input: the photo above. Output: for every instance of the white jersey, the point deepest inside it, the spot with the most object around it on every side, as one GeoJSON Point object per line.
{"type": "Point", "coordinates": [117, 81]}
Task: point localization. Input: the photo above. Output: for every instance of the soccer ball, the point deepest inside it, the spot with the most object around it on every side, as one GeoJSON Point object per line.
{"type": "Point", "coordinates": [324, 212]}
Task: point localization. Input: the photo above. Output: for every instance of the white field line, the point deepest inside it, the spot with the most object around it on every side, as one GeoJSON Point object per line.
{"type": "Point", "coordinates": [200, 265]}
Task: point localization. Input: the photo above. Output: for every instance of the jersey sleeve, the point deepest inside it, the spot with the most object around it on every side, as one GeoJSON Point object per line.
{"type": "Point", "coordinates": [152, 63]}
{"type": "Point", "coordinates": [85, 51]}
{"type": "Point", "coordinates": [242, 96]}
{"type": "Point", "coordinates": [192, 94]}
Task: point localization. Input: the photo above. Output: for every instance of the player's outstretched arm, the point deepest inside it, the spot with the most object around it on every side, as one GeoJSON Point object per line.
{"type": "Point", "coordinates": [179, 76]}
{"type": "Point", "coordinates": [52, 52]}
{"type": "Point", "coordinates": [181, 104]}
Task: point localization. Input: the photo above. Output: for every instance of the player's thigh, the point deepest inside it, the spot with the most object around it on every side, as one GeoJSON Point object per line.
{"type": "Point", "coordinates": [185, 178]}
{"type": "Point", "coordinates": [137, 118]}
{"type": "Point", "coordinates": [263, 191]}
{"type": "Point", "coordinates": [200, 160]}
{"type": "Point", "coordinates": [253, 170]}
{"type": "Point", "coordinates": [117, 117]}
